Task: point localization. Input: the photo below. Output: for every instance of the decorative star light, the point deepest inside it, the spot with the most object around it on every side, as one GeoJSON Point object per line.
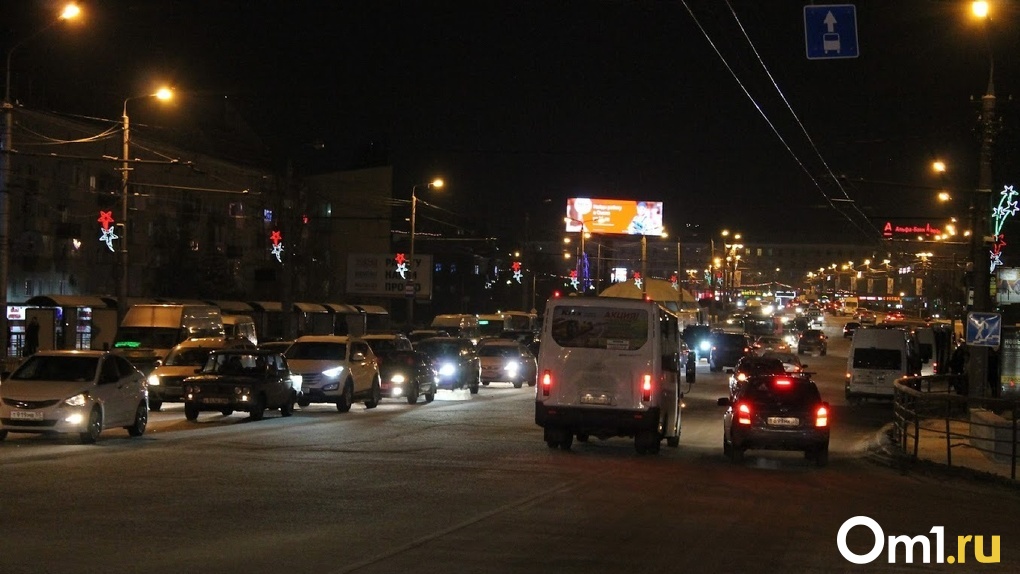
{"type": "Point", "coordinates": [516, 266]}
{"type": "Point", "coordinates": [401, 265]}
{"type": "Point", "coordinates": [109, 234]}
{"type": "Point", "coordinates": [105, 218]}
{"type": "Point", "coordinates": [275, 236]}
{"type": "Point", "coordinates": [573, 280]}
{"type": "Point", "coordinates": [277, 250]}
{"type": "Point", "coordinates": [673, 280]}
{"type": "Point", "coordinates": [1007, 207]}
{"type": "Point", "coordinates": [637, 279]}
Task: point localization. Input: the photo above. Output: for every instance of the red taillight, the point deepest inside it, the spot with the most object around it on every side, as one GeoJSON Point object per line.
{"type": "Point", "coordinates": [743, 414]}
{"type": "Point", "coordinates": [822, 417]}
{"type": "Point", "coordinates": [783, 382]}
{"type": "Point", "coordinates": [646, 389]}
{"type": "Point", "coordinates": [546, 383]}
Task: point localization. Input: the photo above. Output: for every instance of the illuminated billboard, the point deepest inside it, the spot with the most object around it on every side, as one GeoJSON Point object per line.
{"type": "Point", "coordinates": [614, 216]}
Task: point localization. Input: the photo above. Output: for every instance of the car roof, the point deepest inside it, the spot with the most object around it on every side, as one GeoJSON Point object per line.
{"type": "Point", "coordinates": [248, 351]}
{"type": "Point", "coordinates": [71, 353]}
{"type": "Point", "coordinates": [325, 339]}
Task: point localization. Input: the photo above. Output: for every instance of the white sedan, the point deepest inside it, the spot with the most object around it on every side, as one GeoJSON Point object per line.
{"type": "Point", "coordinates": [82, 392]}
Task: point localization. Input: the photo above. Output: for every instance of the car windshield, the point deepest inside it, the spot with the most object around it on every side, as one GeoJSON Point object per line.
{"type": "Point", "coordinates": [235, 364]}
{"type": "Point", "coordinates": [762, 366]}
{"type": "Point", "coordinates": [57, 368]}
{"type": "Point", "coordinates": [317, 351]}
{"type": "Point", "coordinates": [187, 357]}
{"type": "Point", "coordinates": [438, 348]}
{"type": "Point", "coordinates": [380, 346]}
{"type": "Point", "coordinates": [146, 337]}
{"type": "Point", "coordinates": [886, 359]}
{"type": "Point", "coordinates": [730, 340]}
{"type": "Point", "coordinates": [498, 351]}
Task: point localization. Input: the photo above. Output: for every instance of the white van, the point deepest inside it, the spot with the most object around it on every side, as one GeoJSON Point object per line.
{"type": "Point", "coordinates": [608, 367]}
{"type": "Point", "coordinates": [240, 327]}
{"type": "Point", "coordinates": [876, 359]}
{"type": "Point", "coordinates": [460, 325]}
{"type": "Point", "coordinates": [148, 332]}
{"type": "Point", "coordinates": [850, 306]}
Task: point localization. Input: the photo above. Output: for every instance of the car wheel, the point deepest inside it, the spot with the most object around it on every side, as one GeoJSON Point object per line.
{"type": "Point", "coordinates": [258, 408]}
{"type": "Point", "coordinates": [227, 412]}
{"type": "Point", "coordinates": [821, 456]}
{"type": "Point", "coordinates": [713, 367]}
{"type": "Point", "coordinates": [430, 396]}
{"type": "Point", "coordinates": [823, 352]}
{"type": "Point", "coordinates": [303, 403]}
{"type": "Point", "coordinates": [727, 448]}
{"type": "Point", "coordinates": [375, 397]}
{"type": "Point", "coordinates": [566, 441]}
{"type": "Point", "coordinates": [646, 442]}
{"type": "Point", "coordinates": [518, 384]}
{"type": "Point", "coordinates": [94, 427]}
{"type": "Point", "coordinates": [287, 408]}
{"type": "Point", "coordinates": [155, 405]}
{"type": "Point", "coordinates": [485, 384]}
{"type": "Point", "coordinates": [412, 397]}
{"type": "Point", "coordinates": [474, 389]}
{"type": "Point", "coordinates": [141, 419]}
{"type": "Point", "coordinates": [3, 435]}
{"type": "Point", "coordinates": [736, 454]}
{"type": "Point", "coordinates": [343, 404]}
{"type": "Point", "coordinates": [672, 441]}
{"type": "Point", "coordinates": [190, 412]}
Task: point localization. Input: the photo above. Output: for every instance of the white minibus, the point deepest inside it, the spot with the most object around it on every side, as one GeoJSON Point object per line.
{"type": "Point", "coordinates": [877, 358]}
{"type": "Point", "coordinates": [608, 367]}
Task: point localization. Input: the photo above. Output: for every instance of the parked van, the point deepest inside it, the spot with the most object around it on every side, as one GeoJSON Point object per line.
{"type": "Point", "coordinates": [148, 332]}
{"type": "Point", "coordinates": [878, 357]}
{"type": "Point", "coordinates": [849, 306]}
{"type": "Point", "coordinates": [240, 326]}
{"type": "Point", "coordinates": [463, 326]}
{"type": "Point", "coordinates": [608, 367]}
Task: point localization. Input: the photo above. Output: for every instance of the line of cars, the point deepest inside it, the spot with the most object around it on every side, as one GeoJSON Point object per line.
{"type": "Point", "coordinates": [86, 392]}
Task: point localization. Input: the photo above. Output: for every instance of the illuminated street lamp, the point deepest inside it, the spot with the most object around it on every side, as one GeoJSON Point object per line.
{"type": "Point", "coordinates": [409, 288]}
{"type": "Point", "coordinates": [70, 12]}
{"type": "Point", "coordinates": [163, 94]}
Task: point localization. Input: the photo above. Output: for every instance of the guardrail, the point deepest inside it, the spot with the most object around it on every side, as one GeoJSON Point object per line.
{"type": "Point", "coordinates": [931, 416]}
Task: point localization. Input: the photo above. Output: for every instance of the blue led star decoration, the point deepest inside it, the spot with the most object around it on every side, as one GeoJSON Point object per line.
{"type": "Point", "coordinates": [573, 280]}
{"type": "Point", "coordinates": [108, 236]}
{"type": "Point", "coordinates": [1008, 206]}
{"type": "Point", "coordinates": [401, 265]}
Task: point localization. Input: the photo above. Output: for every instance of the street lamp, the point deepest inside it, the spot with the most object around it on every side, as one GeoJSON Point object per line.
{"type": "Point", "coordinates": [69, 12]}
{"type": "Point", "coordinates": [125, 171]}
{"type": "Point", "coordinates": [409, 288]}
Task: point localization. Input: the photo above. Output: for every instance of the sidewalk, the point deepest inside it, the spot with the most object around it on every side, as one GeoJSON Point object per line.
{"type": "Point", "coordinates": [963, 458]}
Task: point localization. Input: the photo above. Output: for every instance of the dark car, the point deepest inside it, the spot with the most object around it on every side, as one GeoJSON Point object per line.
{"type": "Point", "coordinates": [403, 372]}
{"type": "Point", "coordinates": [777, 412]}
{"type": "Point", "coordinates": [242, 380]}
{"type": "Point", "coordinates": [849, 328]}
{"type": "Point", "coordinates": [699, 340]}
{"type": "Point", "coordinates": [753, 366]}
{"type": "Point", "coordinates": [727, 349]}
{"type": "Point", "coordinates": [455, 360]}
{"type": "Point", "coordinates": [507, 361]}
{"type": "Point", "coordinates": [812, 341]}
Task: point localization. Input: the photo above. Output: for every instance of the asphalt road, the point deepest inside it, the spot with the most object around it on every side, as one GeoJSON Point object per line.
{"type": "Point", "coordinates": [468, 485]}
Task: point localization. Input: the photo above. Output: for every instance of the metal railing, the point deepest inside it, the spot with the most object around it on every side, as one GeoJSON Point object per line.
{"type": "Point", "coordinates": [929, 414]}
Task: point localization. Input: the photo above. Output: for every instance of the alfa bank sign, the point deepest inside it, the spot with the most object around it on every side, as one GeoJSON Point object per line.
{"type": "Point", "coordinates": [892, 230]}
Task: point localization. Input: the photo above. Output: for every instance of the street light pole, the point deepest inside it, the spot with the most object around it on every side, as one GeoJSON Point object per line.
{"type": "Point", "coordinates": [70, 11]}
{"type": "Point", "coordinates": [409, 287]}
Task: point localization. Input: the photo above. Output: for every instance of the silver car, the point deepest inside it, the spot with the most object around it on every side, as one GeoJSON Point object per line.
{"type": "Point", "coordinates": [83, 392]}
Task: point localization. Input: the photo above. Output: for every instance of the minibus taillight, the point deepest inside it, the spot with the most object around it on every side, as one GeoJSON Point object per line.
{"type": "Point", "coordinates": [646, 389]}
{"type": "Point", "coordinates": [546, 383]}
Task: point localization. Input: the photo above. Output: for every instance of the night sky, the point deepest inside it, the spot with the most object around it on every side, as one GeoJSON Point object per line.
{"type": "Point", "coordinates": [521, 104]}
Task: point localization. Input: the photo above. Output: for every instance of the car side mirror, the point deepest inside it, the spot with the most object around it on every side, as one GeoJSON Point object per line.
{"type": "Point", "coordinates": [729, 371]}
{"type": "Point", "coordinates": [723, 402]}
{"type": "Point", "coordinates": [358, 356]}
{"type": "Point", "coordinates": [159, 362]}
{"type": "Point", "coordinates": [803, 366]}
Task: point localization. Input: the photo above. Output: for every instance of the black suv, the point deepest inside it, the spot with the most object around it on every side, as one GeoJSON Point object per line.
{"type": "Point", "coordinates": [812, 340]}
{"type": "Point", "coordinates": [777, 412]}
{"type": "Point", "coordinates": [727, 349]}
{"type": "Point", "coordinates": [241, 380]}
{"type": "Point", "coordinates": [698, 339]}
{"type": "Point", "coordinates": [455, 361]}
{"type": "Point", "coordinates": [753, 366]}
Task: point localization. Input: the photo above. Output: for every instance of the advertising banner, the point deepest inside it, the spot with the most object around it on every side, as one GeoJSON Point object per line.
{"type": "Point", "coordinates": [387, 275]}
{"type": "Point", "coordinates": [614, 216]}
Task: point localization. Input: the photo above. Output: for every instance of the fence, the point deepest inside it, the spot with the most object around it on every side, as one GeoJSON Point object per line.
{"type": "Point", "coordinates": [930, 416]}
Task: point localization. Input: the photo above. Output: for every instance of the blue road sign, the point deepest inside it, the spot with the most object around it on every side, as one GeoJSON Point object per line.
{"type": "Point", "coordinates": [830, 31]}
{"type": "Point", "coordinates": [984, 329]}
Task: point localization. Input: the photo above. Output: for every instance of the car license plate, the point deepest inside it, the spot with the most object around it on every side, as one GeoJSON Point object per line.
{"type": "Point", "coordinates": [599, 399]}
{"type": "Point", "coordinates": [783, 421]}
{"type": "Point", "coordinates": [215, 401]}
{"type": "Point", "coordinates": [27, 415]}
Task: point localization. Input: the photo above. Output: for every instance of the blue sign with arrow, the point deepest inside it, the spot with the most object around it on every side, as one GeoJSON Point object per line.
{"type": "Point", "coordinates": [984, 329]}
{"type": "Point", "coordinates": [830, 31]}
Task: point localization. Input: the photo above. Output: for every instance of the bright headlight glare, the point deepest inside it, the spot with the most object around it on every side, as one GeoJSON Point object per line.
{"type": "Point", "coordinates": [397, 379]}
{"type": "Point", "coordinates": [511, 367]}
{"type": "Point", "coordinates": [78, 400]}
{"type": "Point", "coordinates": [448, 369]}
{"type": "Point", "coordinates": [705, 345]}
{"type": "Point", "coordinates": [153, 381]}
{"type": "Point", "coordinates": [333, 373]}
{"type": "Point", "coordinates": [75, 419]}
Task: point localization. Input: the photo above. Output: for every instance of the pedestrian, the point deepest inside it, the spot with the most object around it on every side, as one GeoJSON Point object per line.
{"type": "Point", "coordinates": [32, 337]}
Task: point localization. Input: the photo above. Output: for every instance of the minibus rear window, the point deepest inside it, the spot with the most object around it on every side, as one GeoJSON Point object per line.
{"type": "Point", "coordinates": [885, 359]}
{"type": "Point", "coordinates": [600, 327]}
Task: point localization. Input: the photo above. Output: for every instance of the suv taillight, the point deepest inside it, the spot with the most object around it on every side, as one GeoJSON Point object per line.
{"type": "Point", "coordinates": [743, 414]}
{"type": "Point", "coordinates": [546, 383]}
{"type": "Point", "coordinates": [822, 417]}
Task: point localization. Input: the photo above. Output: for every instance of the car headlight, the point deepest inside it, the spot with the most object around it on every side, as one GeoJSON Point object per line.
{"type": "Point", "coordinates": [397, 379]}
{"type": "Point", "coordinates": [241, 390]}
{"type": "Point", "coordinates": [153, 381]}
{"type": "Point", "coordinates": [333, 373]}
{"type": "Point", "coordinates": [511, 367]}
{"type": "Point", "coordinates": [78, 400]}
{"type": "Point", "coordinates": [448, 369]}
{"type": "Point", "coordinates": [192, 389]}
{"type": "Point", "coordinates": [704, 345]}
